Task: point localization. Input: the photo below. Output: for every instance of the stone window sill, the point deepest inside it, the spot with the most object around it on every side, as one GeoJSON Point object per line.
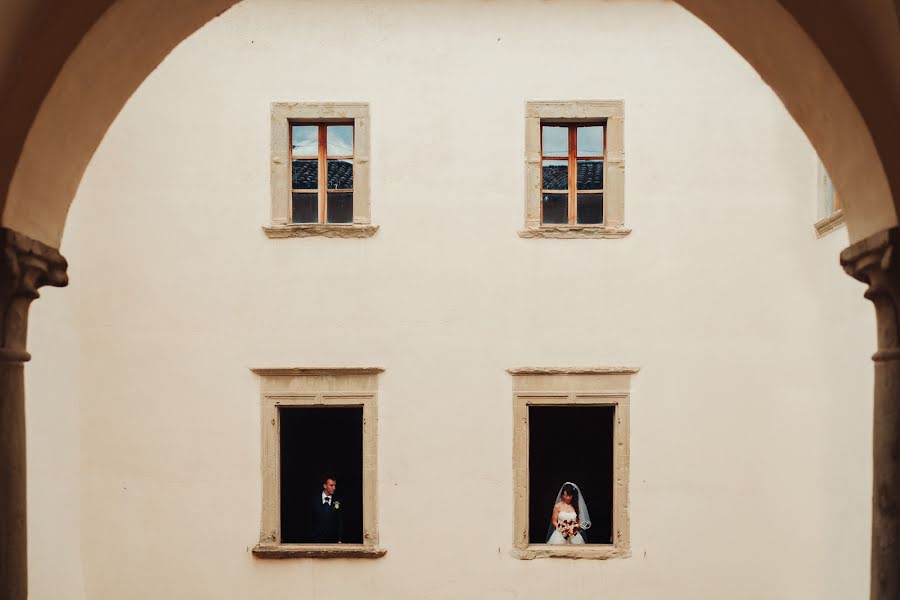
{"type": "Point", "coordinates": [574, 232]}
{"type": "Point", "coordinates": [592, 552]}
{"type": "Point", "coordinates": [351, 230]}
{"type": "Point", "coordinates": [830, 223]}
{"type": "Point", "coordinates": [317, 551]}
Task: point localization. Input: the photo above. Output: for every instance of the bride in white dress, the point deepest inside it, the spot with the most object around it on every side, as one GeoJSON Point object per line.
{"type": "Point", "coordinates": [570, 516]}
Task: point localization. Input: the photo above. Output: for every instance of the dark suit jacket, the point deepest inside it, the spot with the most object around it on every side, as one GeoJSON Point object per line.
{"type": "Point", "coordinates": [325, 523]}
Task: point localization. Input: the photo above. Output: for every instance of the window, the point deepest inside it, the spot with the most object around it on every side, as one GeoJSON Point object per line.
{"type": "Point", "coordinates": [320, 170]}
{"type": "Point", "coordinates": [572, 174]}
{"type": "Point", "coordinates": [321, 173]}
{"type": "Point", "coordinates": [574, 163]}
{"type": "Point", "coordinates": [829, 214]}
{"type": "Point", "coordinates": [318, 426]}
{"type": "Point", "coordinates": [592, 406]}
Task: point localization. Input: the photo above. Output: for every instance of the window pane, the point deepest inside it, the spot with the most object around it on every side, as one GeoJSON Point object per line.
{"type": "Point", "coordinates": [590, 209]}
{"type": "Point", "coordinates": [590, 141]}
{"type": "Point", "coordinates": [304, 174]}
{"type": "Point", "coordinates": [590, 174]}
{"type": "Point", "coordinates": [340, 140]}
{"type": "Point", "coordinates": [555, 141]}
{"type": "Point", "coordinates": [304, 140]}
{"type": "Point", "coordinates": [555, 208]}
{"type": "Point", "coordinates": [340, 207]}
{"type": "Point", "coordinates": [340, 174]}
{"type": "Point", "coordinates": [304, 208]}
{"type": "Point", "coordinates": [555, 175]}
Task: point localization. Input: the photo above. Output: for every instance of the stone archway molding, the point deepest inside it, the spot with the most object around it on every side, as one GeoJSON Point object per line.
{"type": "Point", "coordinates": [68, 68]}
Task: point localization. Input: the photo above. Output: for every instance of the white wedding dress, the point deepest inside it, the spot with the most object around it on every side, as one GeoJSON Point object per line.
{"type": "Point", "coordinates": [557, 538]}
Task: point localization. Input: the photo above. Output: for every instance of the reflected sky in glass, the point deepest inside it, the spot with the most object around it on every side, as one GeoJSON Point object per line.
{"type": "Point", "coordinates": [555, 141]}
{"type": "Point", "coordinates": [590, 141]}
{"type": "Point", "coordinates": [304, 140]}
{"type": "Point", "coordinates": [340, 140]}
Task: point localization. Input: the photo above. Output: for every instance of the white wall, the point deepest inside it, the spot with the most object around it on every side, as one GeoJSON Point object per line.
{"type": "Point", "coordinates": [750, 469]}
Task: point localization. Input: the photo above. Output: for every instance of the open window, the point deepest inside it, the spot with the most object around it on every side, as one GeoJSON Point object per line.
{"type": "Point", "coordinates": [319, 443]}
{"type": "Point", "coordinates": [571, 443]}
{"type": "Point", "coordinates": [318, 426]}
{"type": "Point", "coordinates": [571, 425]}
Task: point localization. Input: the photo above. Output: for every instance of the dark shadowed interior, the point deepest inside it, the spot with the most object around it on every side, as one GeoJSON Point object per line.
{"type": "Point", "coordinates": [317, 441]}
{"type": "Point", "coordinates": [570, 443]}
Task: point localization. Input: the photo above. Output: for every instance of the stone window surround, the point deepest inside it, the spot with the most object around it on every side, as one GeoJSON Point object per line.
{"type": "Point", "coordinates": [613, 113]}
{"type": "Point", "coordinates": [597, 386]}
{"type": "Point", "coordinates": [825, 188]}
{"type": "Point", "coordinates": [338, 386]}
{"type": "Point", "coordinates": [282, 115]}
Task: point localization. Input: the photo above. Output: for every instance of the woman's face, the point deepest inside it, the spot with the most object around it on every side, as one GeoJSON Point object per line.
{"type": "Point", "coordinates": [567, 497]}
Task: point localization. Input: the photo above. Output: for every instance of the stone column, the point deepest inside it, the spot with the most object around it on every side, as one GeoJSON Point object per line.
{"type": "Point", "coordinates": [25, 266]}
{"type": "Point", "coordinates": [875, 261]}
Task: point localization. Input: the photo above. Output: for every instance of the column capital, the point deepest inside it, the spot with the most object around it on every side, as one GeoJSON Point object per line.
{"type": "Point", "coordinates": [25, 266]}
{"type": "Point", "coordinates": [876, 262]}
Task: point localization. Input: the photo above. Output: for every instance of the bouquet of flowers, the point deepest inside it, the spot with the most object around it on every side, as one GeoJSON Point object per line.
{"type": "Point", "coordinates": [568, 528]}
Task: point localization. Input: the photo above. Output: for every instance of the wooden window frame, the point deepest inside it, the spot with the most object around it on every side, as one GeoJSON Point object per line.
{"type": "Point", "coordinates": [609, 113]}
{"type": "Point", "coordinates": [322, 387]}
{"type": "Point", "coordinates": [283, 116]}
{"type": "Point", "coordinates": [571, 386]}
{"type": "Point", "coordinates": [322, 157]}
{"type": "Point", "coordinates": [572, 157]}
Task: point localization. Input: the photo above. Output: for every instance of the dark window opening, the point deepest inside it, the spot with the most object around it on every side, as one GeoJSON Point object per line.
{"type": "Point", "coordinates": [315, 442]}
{"type": "Point", "coordinates": [570, 443]}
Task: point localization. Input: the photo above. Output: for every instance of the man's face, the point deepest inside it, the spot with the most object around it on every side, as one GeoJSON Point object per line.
{"type": "Point", "coordinates": [329, 486]}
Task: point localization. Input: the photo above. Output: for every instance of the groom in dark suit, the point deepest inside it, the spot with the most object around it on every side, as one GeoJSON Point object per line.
{"type": "Point", "coordinates": [325, 525]}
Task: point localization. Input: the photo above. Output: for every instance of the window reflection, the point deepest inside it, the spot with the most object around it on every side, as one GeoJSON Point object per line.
{"type": "Point", "coordinates": [304, 208]}
{"type": "Point", "coordinates": [590, 209]}
{"type": "Point", "coordinates": [340, 140]}
{"type": "Point", "coordinates": [555, 141]}
{"type": "Point", "coordinates": [555, 209]}
{"type": "Point", "coordinates": [304, 140]}
{"type": "Point", "coordinates": [590, 175]}
{"type": "Point", "coordinates": [340, 174]}
{"type": "Point", "coordinates": [340, 207]}
{"type": "Point", "coordinates": [304, 174]}
{"type": "Point", "coordinates": [590, 140]}
{"type": "Point", "coordinates": [555, 175]}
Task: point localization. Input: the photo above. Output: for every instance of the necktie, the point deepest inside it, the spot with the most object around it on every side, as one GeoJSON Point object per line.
{"type": "Point", "coordinates": [327, 500]}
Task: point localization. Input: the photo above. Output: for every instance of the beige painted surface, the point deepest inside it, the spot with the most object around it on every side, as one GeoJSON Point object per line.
{"type": "Point", "coordinates": [750, 416]}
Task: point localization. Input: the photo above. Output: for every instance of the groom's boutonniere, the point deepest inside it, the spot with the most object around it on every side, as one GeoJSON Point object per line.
{"type": "Point", "coordinates": [337, 504]}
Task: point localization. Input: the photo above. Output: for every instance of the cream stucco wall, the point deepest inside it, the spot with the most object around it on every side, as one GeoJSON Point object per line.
{"type": "Point", "coordinates": [750, 416]}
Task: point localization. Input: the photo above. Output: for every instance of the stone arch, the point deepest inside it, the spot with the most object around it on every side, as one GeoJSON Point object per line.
{"type": "Point", "coordinates": [64, 79]}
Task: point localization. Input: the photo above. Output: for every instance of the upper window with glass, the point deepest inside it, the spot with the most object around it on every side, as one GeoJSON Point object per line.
{"type": "Point", "coordinates": [321, 172]}
{"type": "Point", "coordinates": [572, 159]}
{"type": "Point", "coordinates": [574, 169]}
